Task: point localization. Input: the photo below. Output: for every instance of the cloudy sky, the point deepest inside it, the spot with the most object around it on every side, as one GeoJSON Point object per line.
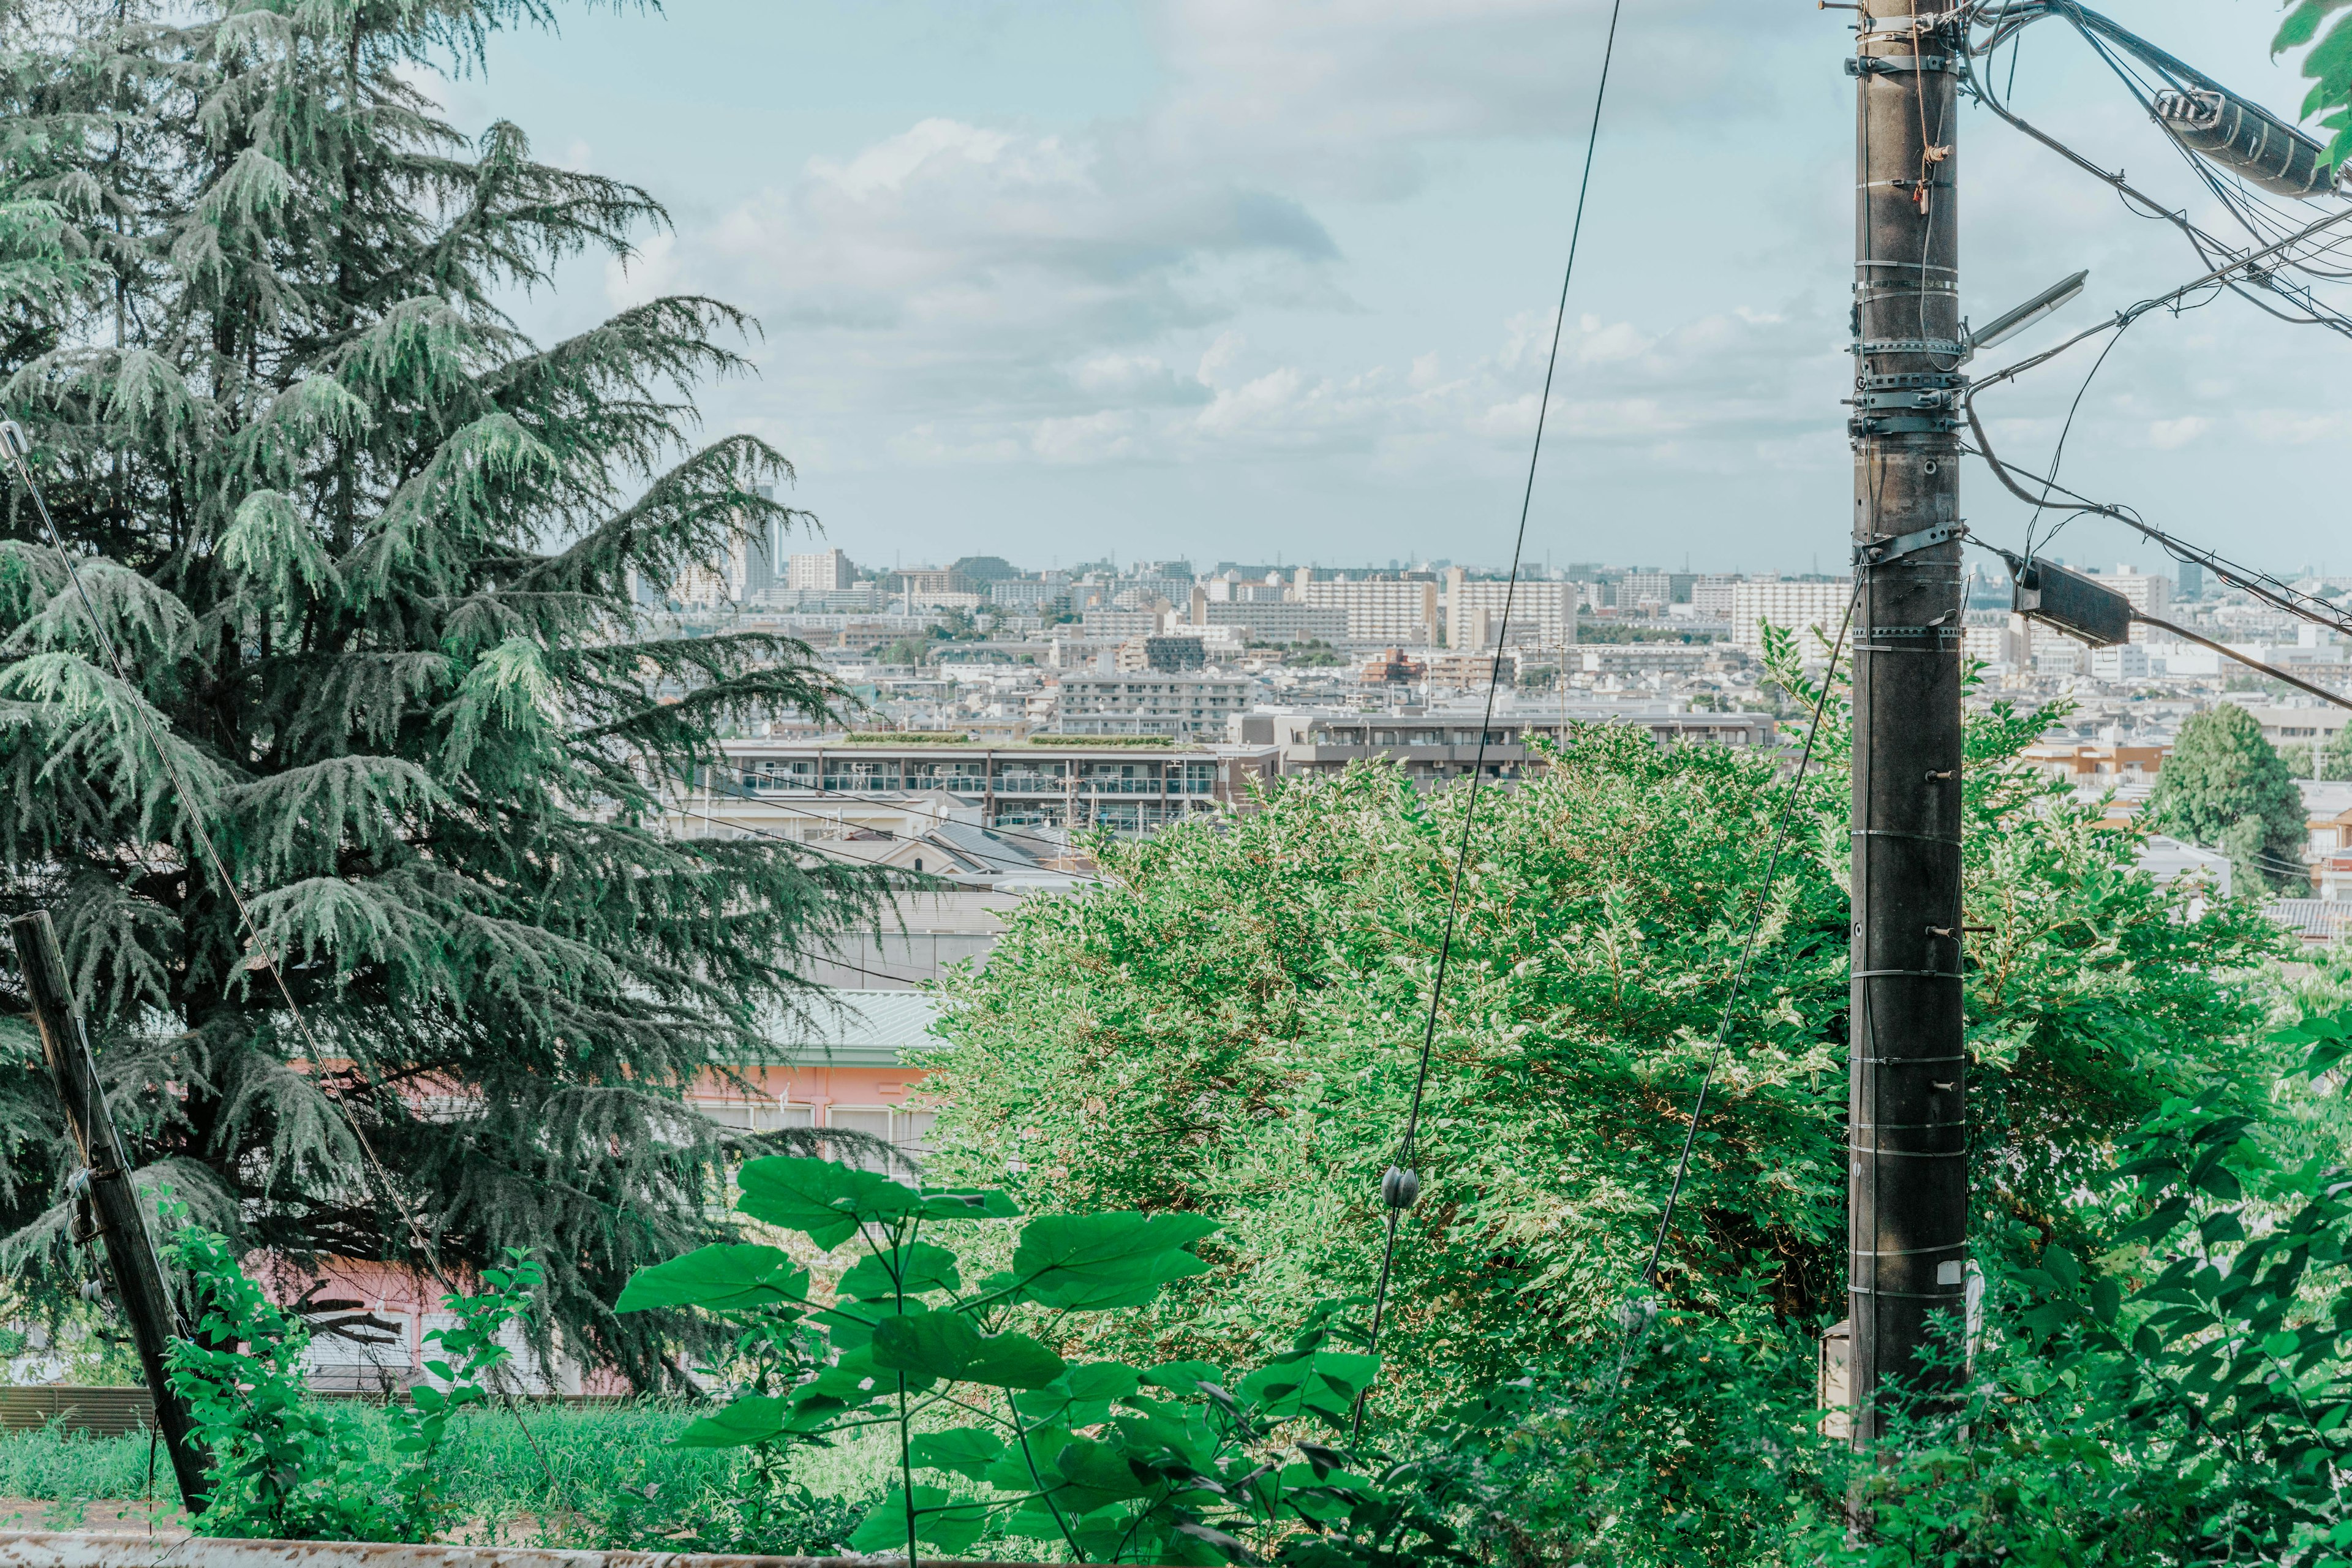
{"type": "Point", "coordinates": [1258, 279]}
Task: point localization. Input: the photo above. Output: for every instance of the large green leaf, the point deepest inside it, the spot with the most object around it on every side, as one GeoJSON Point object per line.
{"type": "Point", "coordinates": [967, 1450]}
{"type": "Point", "coordinates": [824, 1199]}
{"type": "Point", "coordinates": [728, 1277]}
{"type": "Point", "coordinates": [754, 1418]}
{"type": "Point", "coordinates": [1322, 1382]}
{"type": "Point", "coordinates": [945, 1345]}
{"type": "Point", "coordinates": [1089, 1263]}
{"type": "Point", "coordinates": [940, 1520]}
{"type": "Point", "coordinates": [1095, 1475]}
{"type": "Point", "coordinates": [913, 1269]}
{"type": "Point", "coordinates": [968, 1203]}
{"type": "Point", "coordinates": [1082, 1395]}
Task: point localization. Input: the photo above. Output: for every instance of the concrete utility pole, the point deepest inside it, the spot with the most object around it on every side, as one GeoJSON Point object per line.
{"type": "Point", "coordinates": [106, 1203]}
{"type": "Point", "coordinates": [1908, 1171]}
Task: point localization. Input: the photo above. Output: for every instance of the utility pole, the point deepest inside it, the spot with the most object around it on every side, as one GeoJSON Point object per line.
{"type": "Point", "coordinates": [106, 1203]}
{"type": "Point", "coordinates": [1908, 1130]}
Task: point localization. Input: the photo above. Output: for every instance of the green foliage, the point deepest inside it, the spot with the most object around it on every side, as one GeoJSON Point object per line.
{"type": "Point", "coordinates": [1178, 1462]}
{"type": "Point", "coordinates": [2226, 787]}
{"type": "Point", "coordinates": [2327, 63]}
{"type": "Point", "coordinates": [2178, 1394]}
{"type": "Point", "coordinates": [1229, 1027]}
{"type": "Point", "coordinates": [369, 552]}
{"type": "Point", "coordinates": [2334, 757]}
{"type": "Point", "coordinates": [285, 1468]}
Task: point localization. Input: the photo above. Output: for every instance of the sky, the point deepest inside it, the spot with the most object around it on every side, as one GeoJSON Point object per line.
{"type": "Point", "coordinates": [1273, 279]}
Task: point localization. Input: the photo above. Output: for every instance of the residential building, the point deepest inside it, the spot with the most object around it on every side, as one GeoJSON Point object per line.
{"type": "Point", "coordinates": [824, 790]}
{"type": "Point", "coordinates": [2105, 762]}
{"type": "Point", "coordinates": [2315, 725]}
{"type": "Point", "coordinates": [1474, 669]}
{"type": "Point", "coordinates": [1273, 621]}
{"type": "Point", "coordinates": [1803, 608]}
{"type": "Point", "coordinates": [1442, 744]}
{"type": "Point", "coordinates": [1640, 657]}
{"type": "Point", "coordinates": [1184, 707]}
{"type": "Point", "coordinates": [1403, 611]}
{"type": "Point", "coordinates": [825, 571]}
{"type": "Point", "coordinates": [1123, 624]}
{"type": "Point", "coordinates": [747, 571]}
{"type": "Point", "coordinates": [1710, 594]}
{"type": "Point", "coordinates": [2125, 661]}
{"type": "Point", "coordinates": [2327, 813]}
{"type": "Point", "coordinates": [1031, 594]}
{"type": "Point", "coordinates": [1651, 592]}
{"type": "Point", "coordinates": [1165, 655]}
{"type": "Point", "coordinates": [1541, 613]}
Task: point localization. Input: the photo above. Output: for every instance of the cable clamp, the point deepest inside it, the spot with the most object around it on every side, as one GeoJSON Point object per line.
{"type": "Point", "coordinates": [1879, 551]}
{"type": "Point", "coordinates": [1897, 65]}
{"type": "Point", "coordinates": [1866, 425]}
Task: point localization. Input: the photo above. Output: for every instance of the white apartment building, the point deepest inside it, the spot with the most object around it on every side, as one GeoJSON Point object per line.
{"type": "Point", "coordinates": [1186, 707]}
{"type": "Point", "coordinates": [1543, 615]}
{"type": "Point", "coordinates": [1711, 595]}
{"type": "Point", "coordinates": [827, 571]}
{"type": "Point", "coordinates": [1401, 611]}
{"type": "Point", "coordinates": [1798, 607]}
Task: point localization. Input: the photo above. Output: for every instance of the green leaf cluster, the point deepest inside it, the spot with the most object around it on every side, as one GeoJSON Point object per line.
{"type": "Point", "coordinates": [1179, 1462]}
{"type": "Point", "coordinates": [279, 1466]}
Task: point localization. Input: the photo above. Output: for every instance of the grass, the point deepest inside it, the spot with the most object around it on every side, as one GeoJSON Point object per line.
{"type": "Point", "coordinates": [593, 1454]}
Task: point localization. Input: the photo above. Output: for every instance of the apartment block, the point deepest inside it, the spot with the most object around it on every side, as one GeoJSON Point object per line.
{"type": "Point", "coordinates": [1801, 608]}
{"type": "Point", "coordinates": [1542, 614]}
{"type": "Point", "coordinates": [1184, 707]}
{"type": "Point", "coordinates": [1399, 610]}
{"type": "Point", "coordinates": [825, 572]}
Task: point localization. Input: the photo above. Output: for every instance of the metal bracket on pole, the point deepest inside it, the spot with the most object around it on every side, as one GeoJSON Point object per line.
{"type": "Point", "coordinates": [106, 1203]}
{"type": "Point", "coordinates": [1891, 65]}
{"type": "Point", "coordinates": [1879, 551]}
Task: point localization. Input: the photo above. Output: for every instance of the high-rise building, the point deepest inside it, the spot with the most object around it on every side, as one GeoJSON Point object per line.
{"type": "Point", "coordinates": [827, 571]}
{"type": "Point", "coordinates": [2192, 580]}
{"type": "Point", "coordinates": [1655, 591]}
{"type": "Point", "coordinates": [1543, 615]}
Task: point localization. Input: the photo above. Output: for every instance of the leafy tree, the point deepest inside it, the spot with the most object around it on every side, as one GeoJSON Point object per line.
{"type": "Point", "coordinates": [366, 548]}
{"type": "Point", "coordinates": [2225, 786]}
{"type": "Point", "coordinates": [986, 569]}
{"type": "Point", "coordinates": [1231, 1025]}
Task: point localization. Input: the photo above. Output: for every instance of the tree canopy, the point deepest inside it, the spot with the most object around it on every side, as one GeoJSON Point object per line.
{"type": "Point", "coordinates": [1230, 1026]}
{"type": "Point", "coordinates": [2226, 787]}
{"type": "Point", "coordinates": [368, 548]}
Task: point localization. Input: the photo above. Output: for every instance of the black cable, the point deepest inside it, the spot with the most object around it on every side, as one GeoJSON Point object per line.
{"type": "Point", "coordinates": [1402, 1171]}
{"type": "Point", "coordinates": [1747, 944]}
{"type": "Point", "coordinates": [2058, 454]}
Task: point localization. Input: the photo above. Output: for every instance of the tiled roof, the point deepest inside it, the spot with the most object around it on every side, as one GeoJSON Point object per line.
{"type": "Point", "coordinates": [2317, 920]}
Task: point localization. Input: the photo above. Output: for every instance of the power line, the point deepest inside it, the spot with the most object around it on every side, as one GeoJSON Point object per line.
{"type": "Point", "coordinates": [1401, 1186]}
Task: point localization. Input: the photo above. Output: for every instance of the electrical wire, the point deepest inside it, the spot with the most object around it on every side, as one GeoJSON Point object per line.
{"type": "Point", "coordinates": [1403, 1165]}
{"type": "Point", "coordinates": [2058, 454]}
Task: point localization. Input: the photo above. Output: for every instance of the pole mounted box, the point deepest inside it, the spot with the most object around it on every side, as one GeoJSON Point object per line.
{"type": "Point", "coordinates": [2069, 602]}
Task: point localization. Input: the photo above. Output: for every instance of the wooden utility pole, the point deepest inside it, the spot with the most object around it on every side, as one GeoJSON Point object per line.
{"type": "Point", "coordinates": [106, 1203]}
{"type": "Point", "coordinates": [1907, 1164]}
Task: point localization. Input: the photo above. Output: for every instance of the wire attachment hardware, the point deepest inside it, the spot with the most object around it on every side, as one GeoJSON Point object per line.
{"type": "Point", "coordinates": [1879, 551]}
{"type": "Point", "coordinates": [1400, 1189]}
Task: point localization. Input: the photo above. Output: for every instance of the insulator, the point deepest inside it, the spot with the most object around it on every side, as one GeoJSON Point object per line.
{"type": "Point", "coordinates": [2240, 137]}
{"type": "Point", "coordinates": [78, 1183]}
{"type": "Point", "coordinates": [13, 445]}
{"type": "Point", "coordinates": [1400, 1189]}
{"type": "Point", "coordinates": [93, 1291]}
